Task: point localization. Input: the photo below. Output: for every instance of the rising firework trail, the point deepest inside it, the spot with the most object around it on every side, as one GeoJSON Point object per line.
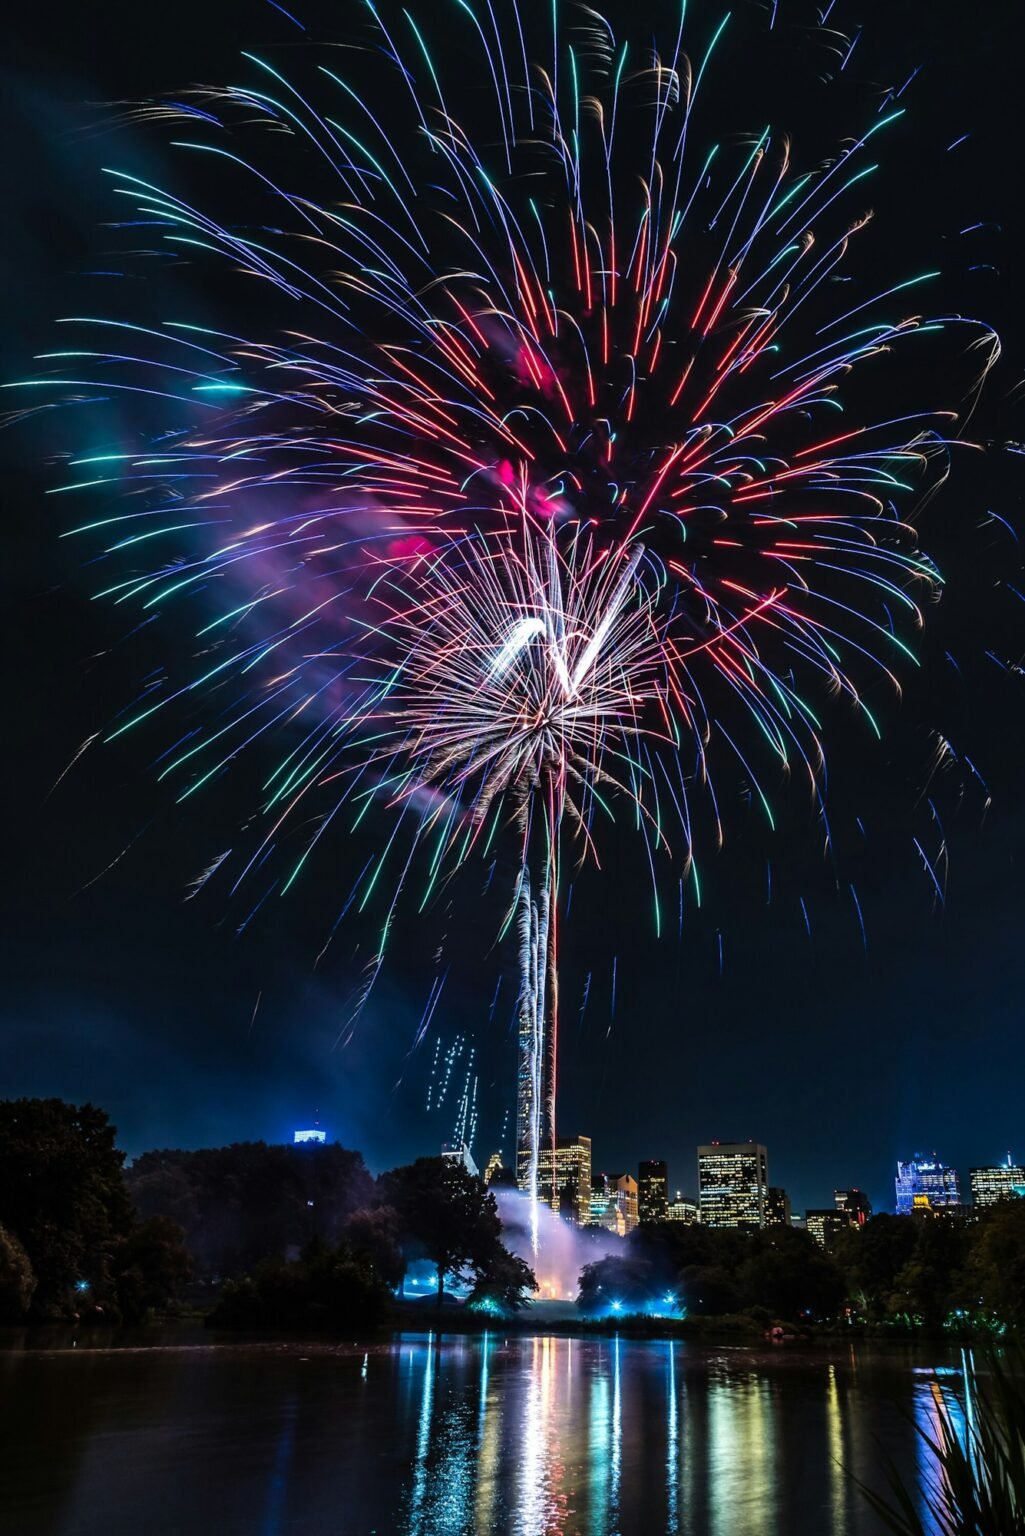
{"type": "Point", "coordinates": [551, 474]}
{"type": "Point", "coordinates": [512, 686]}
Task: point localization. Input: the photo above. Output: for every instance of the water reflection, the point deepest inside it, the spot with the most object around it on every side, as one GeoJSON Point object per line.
{"type": "Point", "coordinates": [741, 1450]}
{"type": "Point", "coordinates": [672, 1447]}
{"type": "Point", "coordinates": [438, 1435]}
{"type": "Point", "coordinates": [615, 1436]}
{"type": "Point", "coordinates": [532, 1500]}
{"type": "Point", "coordinates": [445, 1466]}
{"type": "Point", "coordinates": [599, 1404]}
{"type": "Point", "coordinates": [277, 1492]}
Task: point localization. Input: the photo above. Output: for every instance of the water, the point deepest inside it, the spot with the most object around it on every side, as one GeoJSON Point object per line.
{"type": "Point", "coordinates": [449, 1436]}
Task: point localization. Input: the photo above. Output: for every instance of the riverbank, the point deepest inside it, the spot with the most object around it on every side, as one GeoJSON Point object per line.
{"type": "Point", "coordinates": [563, 1318]}
{"type": "Point", "coordinates": [540, 1319]}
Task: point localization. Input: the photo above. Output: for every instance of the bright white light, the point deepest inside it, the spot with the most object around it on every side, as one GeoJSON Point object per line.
{"type": "Point", "coordinates": [521, 636]}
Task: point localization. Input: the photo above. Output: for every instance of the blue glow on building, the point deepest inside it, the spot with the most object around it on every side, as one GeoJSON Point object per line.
{"type": "Point", "coordinates": [925, 1183]}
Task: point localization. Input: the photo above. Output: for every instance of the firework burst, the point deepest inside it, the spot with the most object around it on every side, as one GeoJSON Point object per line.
{"type": "Point", "coordinates": [555, 469]}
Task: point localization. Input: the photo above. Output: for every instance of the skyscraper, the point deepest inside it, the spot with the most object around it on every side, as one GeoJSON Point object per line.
{"type": "Point", "coordinates": [570, 1180]}
{"type": "Point", "coordinates": [925, 1184]}
{"type": "Point", "coordinates": [733, 1180]}
{"type": "Point", "coordinates": [682, 1209]}
{"type": "Point", "coordinates": [652, 1192]}
{"type": "Point", "coordinates": [614, 1202]}
{"type": "Point", "coordinates": [624, 1192]}
{"type": "Point", "coordinates": [826, 1225]}
{"type": "Point", "coordinates": [1003, 1182]}
{"type": "Point", "coordinates": [853, 1204]}
{"type": "Point", "coordinates": [777, 1207]}
{"type": "Point", "coordinates": [603, 1207]}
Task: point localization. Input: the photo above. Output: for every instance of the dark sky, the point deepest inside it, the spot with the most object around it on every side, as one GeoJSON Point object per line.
{"type": "Point", "coordinates": [839, 1056]}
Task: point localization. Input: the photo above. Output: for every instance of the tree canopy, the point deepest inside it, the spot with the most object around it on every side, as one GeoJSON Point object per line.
{"type": "Point", "coordinates": [712, 1272]}
{"type": "Point", "coordinates": [446, 1212]}
{"type": "Point", "coordinates": [62, 1195]}
{"type": "Point", "coordinates": [17, 1282]}
{"type": "Point", "coordinates": [251, 1201]}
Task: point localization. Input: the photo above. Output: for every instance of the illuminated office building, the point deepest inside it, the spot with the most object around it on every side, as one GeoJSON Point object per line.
{"type": "Point", "coordinates": [733, 1181]}
{"type": "Point", "coordinates": [614, 1203]}
{"type": "Point", "coordinates": [1004, 1182]}
{"type": "Point", "coordinates": [925, 1184]}
{"type": "Point", "coordinates": [777, 1207]}
{"type": "Point", "coordinates": [853, 1204]}
{"type": "Point", "coordinates": [569, 1191]}
{"type": "Point", "coordinates": [652, 1192]}
{"type": "Point", "coordinates": [604, 1212]}
{"type": "Point", "coordinates": [493, 1166]}
{"type": "Point", "coordinates": [304, 1138]}
{"type": "Point", "coordinates": [682, 1209]}
{"type": "Point", "coordinates": [624, 1192]}
{"type": "Point", "coordinates": [826, 1225]}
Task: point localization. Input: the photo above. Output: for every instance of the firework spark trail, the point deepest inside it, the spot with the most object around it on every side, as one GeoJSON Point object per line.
{"type": "Point", "coordinates": [532, 948]}
{"type": "Point", "coordinates": [527, 674]}
{"type": "Point", "coordinates": [530, 494]}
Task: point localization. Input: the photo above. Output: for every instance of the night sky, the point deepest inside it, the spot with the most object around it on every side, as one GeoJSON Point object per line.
{"type": "Point", "coordinates": [840, 1056]}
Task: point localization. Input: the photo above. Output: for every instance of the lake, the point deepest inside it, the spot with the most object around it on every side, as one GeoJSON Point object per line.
{"type": "Point", "coordinates": [441, 1435]}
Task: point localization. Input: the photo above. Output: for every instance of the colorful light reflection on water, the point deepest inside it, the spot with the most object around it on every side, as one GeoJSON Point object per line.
{"type": "Point", "coordinates": [447, 1435]}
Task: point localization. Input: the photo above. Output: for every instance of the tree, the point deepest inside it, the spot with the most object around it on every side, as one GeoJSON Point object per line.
{"type": "Point", "coordinates": [994, 1274]}
{"type": "Point", "coordinates": [709, 1290]}
{"type": "Point", "coordinates": [373, 1235]}
{"type": "Point", "coordinates": [505, 1282]}
{"type": "Point", "coordinates": [62, 1196]}
{"type": "Point", "coordinates": [716, 1271]}
{"type": "Point", "coordinates": [787, 1272]}
{"type": "Point", "coordinates": [152, 1268]}
{"type": "Point", "coordinates": [871, 1258]}
{"type": "Point", "coordinates": [698, 1264]}
{"type": "Point", "coordinates": [925, 1288]}
{"type": "Point", "coordinates": [326, 1287]}
{"type": "Point", "coordinates": [446, 1211]}
{"type": "Point", "coordinates": [17, 1282]}
{"type": "Point", "coordinates": [618, 1284]}
{"type": "Point", "coordinates": [241, 1204]}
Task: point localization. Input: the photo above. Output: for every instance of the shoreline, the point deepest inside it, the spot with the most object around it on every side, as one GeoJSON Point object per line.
{"type": "Point", "coordinates": [193, 1333]}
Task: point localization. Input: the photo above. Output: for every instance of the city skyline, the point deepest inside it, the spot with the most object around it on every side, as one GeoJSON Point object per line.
{"type": "Point", "coordinates": [731, 1180]}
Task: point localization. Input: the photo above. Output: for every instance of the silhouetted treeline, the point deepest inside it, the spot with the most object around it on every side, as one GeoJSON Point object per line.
{"type": "Point", "coordinates": [71, 1243]}
{"type": "Point", "coordinates": [297, 1236]}
{"type": "Point", "coordinates": [326, 1288]}
{"type": "Point", "coordinates": [959, 1271]}
{"type": "Point", "coordinates": [939, 1270]}
{"type": "Point", "coordinates": [304, 1236]}
{"type": "Point", "coordinates": [242, 1204]}
{"type": "Point", "coordinates": [433, 1209]}
{"type": "Point", "coordinates": [711, 1272]}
